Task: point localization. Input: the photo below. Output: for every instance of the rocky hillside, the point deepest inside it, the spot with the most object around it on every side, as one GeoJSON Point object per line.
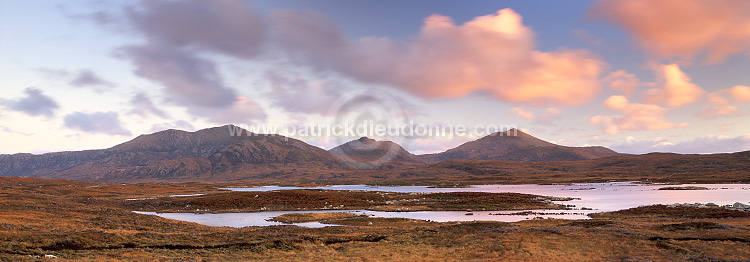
{"type": "Point", "coordinates": [515, 145]}
{"type": "Point", "coordinates": [173, 155]}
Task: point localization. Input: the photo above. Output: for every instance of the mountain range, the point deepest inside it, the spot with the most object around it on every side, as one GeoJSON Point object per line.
{"type": "Point", "coordinates": [228, 153]}
{"type": "Point", "coordinates": [173, 154]}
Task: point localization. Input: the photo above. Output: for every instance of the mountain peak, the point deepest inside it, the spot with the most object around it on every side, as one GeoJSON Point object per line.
{"type": "Point", "coordinates": [204, 140]}
{"type": "Point", "coordinates": [371, 153]}
{"type": "Point", "coordinates": [515, 145]}
{"type": "Point", "coordinates": [366, 140]}
{"type": "Point", "coordinates": [514, 132]}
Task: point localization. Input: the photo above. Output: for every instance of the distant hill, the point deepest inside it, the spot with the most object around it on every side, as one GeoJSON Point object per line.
{"type": "Point", "coordinates": [657, 167]}
{"type": "Point", "coordinates": [515, 145]}
{"type": "Point", "coordinates": [213, 155]}
{"type": "Point", "coordinates": [369, 153]}
{"type": "Point", "coordinates": [174, 155]}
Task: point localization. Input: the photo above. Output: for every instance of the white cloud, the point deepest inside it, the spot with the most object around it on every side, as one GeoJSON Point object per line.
{"type": "Point", "coordinates": [702, 145]}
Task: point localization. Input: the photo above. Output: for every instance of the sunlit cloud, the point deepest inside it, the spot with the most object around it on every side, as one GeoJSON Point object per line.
{"type": "Point", "coordinates": [683, 28]}
{"type": "Point", "coordinates": [191, 64]}
{"type": "Point", "coordinates": [724, 102]}
{"type": "Point", "coordinates": [715, 111]}
{"type": "Point", "coordinates": [523, 113]}
{"type": "Point", "coordinates": [676, 88]}
{"type": "Point", "coordinates": [545, 117]}
{"type": "Point", "coordinates": [492, 54]}
{"type": "Point", "coordinates": [633, 116]}
{"type": "Point", "coordinates": [725, 96]}
{"type": "Point", "coordinates": [740, 93]}
{"type": "Point", "coordinates": [623, 82]}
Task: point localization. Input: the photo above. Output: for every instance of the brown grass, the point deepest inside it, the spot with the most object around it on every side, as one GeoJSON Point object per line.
{"type": "Point", "coordinates": [76, 222]}
{"type": "Point", "coordinates": [312, 217]}
{"type": "Point", "coordinates": [676, 212]}
{"type": "Point", "coordinates": [305, 199]}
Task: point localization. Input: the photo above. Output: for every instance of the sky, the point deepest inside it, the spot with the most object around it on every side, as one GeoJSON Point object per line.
{"type": "Point", "coordinates": [637, 76]}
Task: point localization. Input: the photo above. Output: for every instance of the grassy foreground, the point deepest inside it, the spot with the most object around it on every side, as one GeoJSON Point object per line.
{"type": "Point", "coordinates": [78, 221]}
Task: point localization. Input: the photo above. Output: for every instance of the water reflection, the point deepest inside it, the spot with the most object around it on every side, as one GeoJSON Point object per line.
{"type": "Point", "coordinates": [597, 196]}
{"type": "Point", "coordinates": [262, 218]}
{"type": "Point", "coordinates": [236, 219]}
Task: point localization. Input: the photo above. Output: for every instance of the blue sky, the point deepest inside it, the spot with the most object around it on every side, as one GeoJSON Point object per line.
{"type": "Point", "coordinates": [92, 74]}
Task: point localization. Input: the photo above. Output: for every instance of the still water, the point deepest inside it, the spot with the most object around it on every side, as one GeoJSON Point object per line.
{"type": "Point", "coordinates": [597, 196]}
{"type": "Point", "coordinates": [262, 218]}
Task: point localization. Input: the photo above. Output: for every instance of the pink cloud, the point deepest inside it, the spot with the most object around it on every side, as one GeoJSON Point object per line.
{"type": "Point", "coordinates": [683, 28]}
{"type": "Point", "coordinates": [546, 117]}
{"type": "Point", "coordinates": [718, 110]}
{"type": "Point", "coordinates": [722, 97]}
{"type": "Point", "coordinates": [550, 115]}
{"type": "Point", "coordinates": [633, 116]}
{"type": "Point", "coordinates": [622, 81]}
{"type": "Point", "coordinates": [740, 93]}
{"type": "Point", "coordinates": [676, 88]}
{"type": "Point", "coordinates": [721, 102]}
{"type": "Point", "coordinates": [493, 54]}
{"type": "Point", "coordinates": [616, 102]}
{"type": "Point", "coordinates": [726, 126]}
{"type": "Point", "coordinates": [523, 113]}
{"type": "Point", "coordinates": [717, 98]}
